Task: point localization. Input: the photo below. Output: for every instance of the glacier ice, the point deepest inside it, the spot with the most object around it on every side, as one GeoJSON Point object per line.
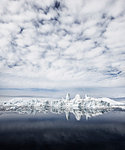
{"type": "Point", "coordinates": [88, 106]}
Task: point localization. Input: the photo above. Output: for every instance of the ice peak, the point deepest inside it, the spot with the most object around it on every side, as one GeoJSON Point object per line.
{"type": "Point", "coordinates": [86, 96]}
{"type": "Point", "coordinates": [67, 96]}
{"type": "Point", "coordinates": [77, 96]}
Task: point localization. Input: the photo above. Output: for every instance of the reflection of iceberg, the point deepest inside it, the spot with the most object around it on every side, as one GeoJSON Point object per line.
{"type": "Point", "coordinates": [67, 115]}
{"type": "Point", "coordinates": [88, 106]}
{"type": "Point", "coordinates": [78, 114]}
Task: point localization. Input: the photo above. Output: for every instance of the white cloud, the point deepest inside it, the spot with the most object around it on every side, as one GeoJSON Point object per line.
{"type": "Point", "coordinates": [61, 44]}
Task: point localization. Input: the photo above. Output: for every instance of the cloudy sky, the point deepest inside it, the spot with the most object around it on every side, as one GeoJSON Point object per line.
{"type": "Point", "coordinates": [62, 44]}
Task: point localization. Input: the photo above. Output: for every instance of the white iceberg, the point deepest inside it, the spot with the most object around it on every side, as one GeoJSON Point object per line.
{"type": "Point", "coordinates": [88, 106]}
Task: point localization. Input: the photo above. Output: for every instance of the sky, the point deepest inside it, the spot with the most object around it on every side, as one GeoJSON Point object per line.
{"type": "Point", "coordinates": [62, 44]}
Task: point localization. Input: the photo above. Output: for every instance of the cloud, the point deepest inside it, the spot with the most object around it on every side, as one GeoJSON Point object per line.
{"type": "Point", "coordinates": [61, 44]}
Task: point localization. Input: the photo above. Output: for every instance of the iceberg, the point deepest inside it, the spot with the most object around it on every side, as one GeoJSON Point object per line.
{"type": "Point", "coordinates": [87, 106]}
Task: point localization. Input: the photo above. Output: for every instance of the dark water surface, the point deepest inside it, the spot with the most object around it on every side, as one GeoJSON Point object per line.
{"type": "Point", "coordinates": [54, 132]}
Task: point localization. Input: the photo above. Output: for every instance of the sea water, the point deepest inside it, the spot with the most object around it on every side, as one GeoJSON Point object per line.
{"type": "Point", "coordinates": [51, 131]}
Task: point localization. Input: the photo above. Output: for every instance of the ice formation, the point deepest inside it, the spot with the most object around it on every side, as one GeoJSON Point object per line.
{"type": "Point", "coordinates": [88, 106]}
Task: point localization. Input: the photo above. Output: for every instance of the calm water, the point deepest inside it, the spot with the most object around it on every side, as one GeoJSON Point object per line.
{"type": "Point", "coordinates": [53, 132]}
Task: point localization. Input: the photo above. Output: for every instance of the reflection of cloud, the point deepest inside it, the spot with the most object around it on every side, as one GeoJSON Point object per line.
{"type": "Point", "coordinates": [62, 43]}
